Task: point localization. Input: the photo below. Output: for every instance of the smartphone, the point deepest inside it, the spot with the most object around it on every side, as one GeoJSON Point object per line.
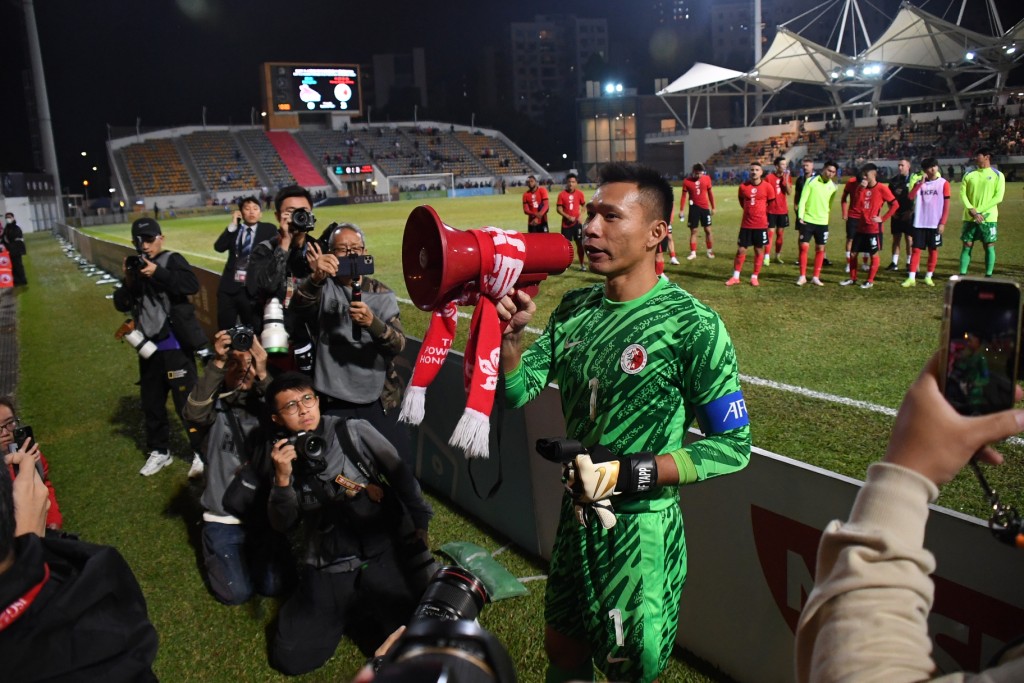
{"type": "Point", "coordinates": [980, 344]}
{"type": "Point", "coordinates": [21, 435]}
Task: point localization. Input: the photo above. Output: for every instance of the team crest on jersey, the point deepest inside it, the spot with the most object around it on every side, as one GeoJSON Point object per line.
{"type": "Point", "coordinates": [633, 359]}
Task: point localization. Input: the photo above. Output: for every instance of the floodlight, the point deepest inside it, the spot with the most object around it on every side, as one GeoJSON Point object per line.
{"type": "Point", "coordinates": [609, 88]}
{"type": "Point", "coordinates": [618, 87]}
{"type": "Point", "coordinates": [969, 56]}
{"type": "Point", "coordinates": [850, 73]}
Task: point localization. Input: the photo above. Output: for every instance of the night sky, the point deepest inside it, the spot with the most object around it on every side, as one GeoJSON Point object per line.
{"type": "Point", "coordinates": [110, 61]}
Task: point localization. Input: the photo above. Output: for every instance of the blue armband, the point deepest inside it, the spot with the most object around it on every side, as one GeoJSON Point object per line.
{"type": "Point", "coordinates": [723, 414]}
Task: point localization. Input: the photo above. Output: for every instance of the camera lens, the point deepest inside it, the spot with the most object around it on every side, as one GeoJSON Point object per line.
{"type": "Point", "coordinates": [452, 594]}
{"type": "Point", "coordinates": [241, 338]}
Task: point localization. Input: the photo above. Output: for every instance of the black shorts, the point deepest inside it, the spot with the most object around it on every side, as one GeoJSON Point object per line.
{"type": "Point", "coordinates": [851, 227]}
{"type": "Point", "coordinates": [899, 227]}
{"type": "Point", "coordinates": [778, 220]}
{"type": "Point", "coordinates": [698, 217]}
{"type": "Point", "coordinates": [753, 237]}
{"type": "Point", "coordinates": [926, 238]}
{"type": "Point", "coordinates": [542, 227]}
{"type": "Point", "coordinates": [818, 232]}
{"type": "Point", "coordinates": [573, 233]}
{"type": "Point", "coordinates": [665, 245]}
{"type": "Point", "coordinates": [863, 243]}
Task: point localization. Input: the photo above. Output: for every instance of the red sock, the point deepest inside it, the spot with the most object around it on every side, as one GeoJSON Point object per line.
{"type": "Point", "coordinates": [819, 261]}
{"type": "Point", "coordinates": [693, 245]}
{"type": "Point", "coordinates": [672, 253]}
{"type": "Point", "coordinates": [915, 260]}
{"type": "Point", "coordinates": [803, 259]}
{"type": "Point", "coordinates": [853, 265]}
{"type": "Point", "coordinates": [737, 263]}
{"type": "Point", "coordinates": [659, 267]}
{"type": "Point", "coordinates": [707, 241]}
{"type": "Point", "coordinates": [874, 268]}
{"type": "Point", "coordinates": [758, 262]}
{"type": "Point", "coordinates": [933, 259]}
{"type": "Point", "coordinates": [778, 241]}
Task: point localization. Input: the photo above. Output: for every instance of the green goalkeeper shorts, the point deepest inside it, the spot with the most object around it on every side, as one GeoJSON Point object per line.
{"type": "Point", "coordinates": [618, 589]}
{"type": "Point", "coordinates": [972, 232]}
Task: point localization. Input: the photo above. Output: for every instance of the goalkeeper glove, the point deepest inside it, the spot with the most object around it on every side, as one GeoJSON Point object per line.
{"type": "Point", "coordinates": [591, 481]}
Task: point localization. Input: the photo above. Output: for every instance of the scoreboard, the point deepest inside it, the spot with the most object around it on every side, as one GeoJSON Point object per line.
{"type": "Point", "coordinates": [313, 88]}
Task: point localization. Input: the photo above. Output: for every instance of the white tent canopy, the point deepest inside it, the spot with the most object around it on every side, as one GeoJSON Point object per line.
{"type": "Point", "coordinates": [796, 59]}
{"type": "Point", "coordinates": [920, 40]}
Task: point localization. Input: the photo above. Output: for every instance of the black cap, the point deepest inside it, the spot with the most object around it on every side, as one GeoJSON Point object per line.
{"type": "Point", "coordinates": [145, 227]}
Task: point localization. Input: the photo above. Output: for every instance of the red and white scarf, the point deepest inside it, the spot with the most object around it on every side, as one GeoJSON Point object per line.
{"type": "Point", "coordinates": [501, 263]}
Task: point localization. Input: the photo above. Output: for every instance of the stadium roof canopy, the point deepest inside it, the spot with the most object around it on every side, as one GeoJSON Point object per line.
{"type": "Point", "coordinates": [966, 61]}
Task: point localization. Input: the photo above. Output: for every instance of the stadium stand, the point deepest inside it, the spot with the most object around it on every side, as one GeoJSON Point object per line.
{"type": "Point", "coordinates": [763, 151]}
{"type": "Point", "coordinates": [219, 161]}
{"type": "Point", "coordinates": [392, 151]}
{"type": "Point", "coordinates": [296, 159]}
{"type": "Point", "coordinates": [267, 157]}
{"type": "Point", "coordinates": [443, 152]}
{"type": "Point", "coordinates": [155, 168]}
{"type": "Point", "coordinates": [492, 152]}
{"type": "Point", "coordinates": [330, 147]}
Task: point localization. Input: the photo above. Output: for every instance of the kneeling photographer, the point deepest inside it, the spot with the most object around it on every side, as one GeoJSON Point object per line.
{"type": "Point", "coordinates": [157, 284]}
{"type": "Point", "coordinates": [362, 515]}
{"type": "Point", "coordinates": [242, 554]}
{"type": "Point", "coordinates": [359, 333]}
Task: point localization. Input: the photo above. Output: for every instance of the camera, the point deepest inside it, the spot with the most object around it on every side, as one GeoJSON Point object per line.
{"type": "Point", "coordinates": [242, 337]}
{"type": "Point", "coordinates": [134, 263]}
{"type": "Point", "coordinates": [138, 341]}
{"type": "Point", "coordinates": [302, 220]}
{"type": "Point", "coordinates": [443, 641]}
{"type": "Point", "coordinates": [310, 450]}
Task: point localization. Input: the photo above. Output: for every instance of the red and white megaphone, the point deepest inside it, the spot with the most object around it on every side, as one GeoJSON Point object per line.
{"type": "Point", "coordinates": [439, 261]}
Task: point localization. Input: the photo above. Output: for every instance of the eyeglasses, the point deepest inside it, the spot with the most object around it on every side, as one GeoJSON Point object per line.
{"type": "Point", "coordinates": [345, 251]}
{"type": "Point", "coordinates": [292, 407]}
{"type": "Point", "coordinates": [10, 425]}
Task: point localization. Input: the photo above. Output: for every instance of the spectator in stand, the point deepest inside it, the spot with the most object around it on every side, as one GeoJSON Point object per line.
{"type": "Point", "coordinates": [234, 302]}
{"type": "Point", "coordinates": [813, 211]}
{"type": "Point", "coordinates": [754, 196]}
{"type": "Point", "coordinates": [8, 423]}
{"type": "Point", "coordinates": [570, 200]}
{"type": "Point", "coordinates": [697, 194]}
{"type": "Point", "coordinates": [73, 611]}
{"type": "Point", "coordinates": [930, 197]}
{"type": "Point", "coordinates": [535, 206]}
{"type": "Point", "coordinates": [778, 210]}
{"type": "Point", "coordinates": [902, 224]}
{"type": "Point", "coordinates": [869, 199]}
{"type": "Point", "coordinates": [981, 192]}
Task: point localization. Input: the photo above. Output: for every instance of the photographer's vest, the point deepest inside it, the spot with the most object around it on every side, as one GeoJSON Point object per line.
{"type": "Point", "coordinates": [152, 310]}
{"type": "Point", "coordinates": [223, 455]}
{"type": "Point", "coordinates": [347, 368]}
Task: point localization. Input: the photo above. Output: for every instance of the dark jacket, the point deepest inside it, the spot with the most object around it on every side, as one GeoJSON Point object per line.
{"type": "Point", "coordinates": [176, 280]}
{"type": "Point", "coordinates": [270, 267]}
{"type": "Point", "coordinates": [227, 241]}
{"type": "Point", "coordinates": [87, 623]}
{"type": "Point", "coordinates": [13, 239]}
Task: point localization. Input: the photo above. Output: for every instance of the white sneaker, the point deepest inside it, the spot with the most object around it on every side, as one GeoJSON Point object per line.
{"type": "Point", "coordinates": [817, 281]}
{"type": "Point", "coordinates": [847, 269]}
{"type": "Point", "coordinates": [157, 461]}
{"type": "Point", "coordinates": [711, 254]}
{"type": "Point", "coordinates": [847, 283]}
{"type": "Point", "coordinates": [801, 281]}
{"type": "Point", "coordinates": [865, 267]}
{"type": "Point", "coordinates": [673, 261]}
{"type": "Point", "coordinates": [692, 256]}
{"type": "Point", "coordinates": [197, 468]}
{"type": "Point", "coordinates": [867, 285]}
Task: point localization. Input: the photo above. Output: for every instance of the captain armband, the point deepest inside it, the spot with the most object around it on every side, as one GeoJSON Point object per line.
{"type": "Point", "coordinates": [724, 414]}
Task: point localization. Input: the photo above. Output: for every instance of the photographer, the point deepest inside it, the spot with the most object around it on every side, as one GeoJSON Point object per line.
{"type": "Point", "coordinates": [71, 611]}
{"type": "Point", "coordinates": [241, 553]}
{"type": "Point", "coordinates": [9, 425]}
{"type": "Point", "coordinates": [277, 264]}
{"type": "Point", "coordinates": [238, 239]}
{"type": "Point", "coordinates": [866, 618]}
{"type": "Point", "coordinates": [157, 284]}
{"type": "Point", "coordinates": [350, 492]}
{"type": "Point", "coordinates": [359, 335]}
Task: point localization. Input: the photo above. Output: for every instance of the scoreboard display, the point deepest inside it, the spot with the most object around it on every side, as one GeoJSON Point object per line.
{"type": "Point", "coordinates": [314, 88]}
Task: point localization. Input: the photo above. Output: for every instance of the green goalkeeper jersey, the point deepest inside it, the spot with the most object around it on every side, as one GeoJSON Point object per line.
{"type": "Point", "coordinates": [982, 189]}
{"type": "Point", "coordinates": [635, 375]}
{"type": "Point", "coordinates": [816, 200]}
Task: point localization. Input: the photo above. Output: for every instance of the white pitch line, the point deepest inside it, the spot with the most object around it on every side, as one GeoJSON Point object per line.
{"type": "Point", "coordinates": [800, 391]}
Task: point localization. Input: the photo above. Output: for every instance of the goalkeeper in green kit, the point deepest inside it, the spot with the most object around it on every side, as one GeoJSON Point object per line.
{"type": "Point", "coordinates": [981, 193]}
{"type": "Point", "coordinates": [637, 360]}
